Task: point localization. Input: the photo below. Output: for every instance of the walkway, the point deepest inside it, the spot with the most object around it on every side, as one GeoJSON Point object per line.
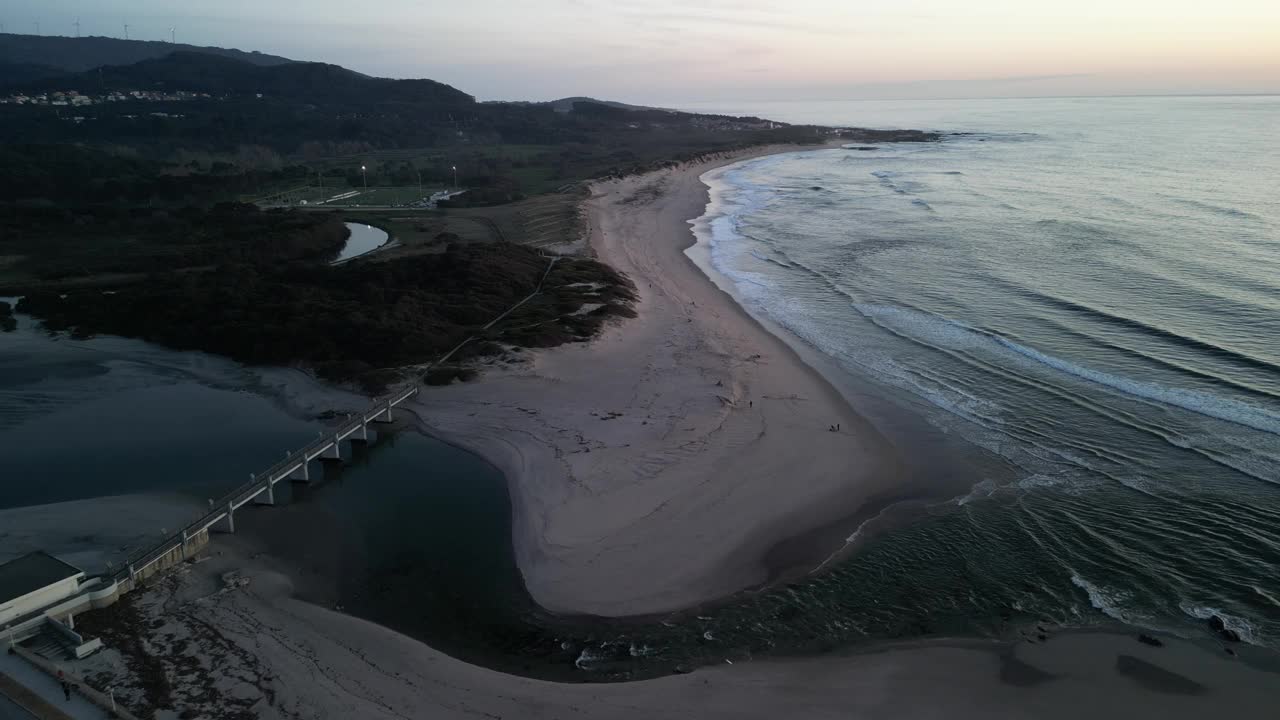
{"type": "Point", "coordinates": [47, 692]}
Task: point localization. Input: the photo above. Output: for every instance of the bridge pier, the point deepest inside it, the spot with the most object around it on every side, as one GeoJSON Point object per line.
{"type": "Point", "coordinates": [384, 415]}
{"type": "Point", "coordinates": [229, 522]}
{"type": "Point", "coordinates": [361, 434]}
{"type": "Point", "coordinates": [333, 451]}
{"type": "Point", "coordinates": [302, 473]}
{"type": "Point", "coordinates": [269, 496]}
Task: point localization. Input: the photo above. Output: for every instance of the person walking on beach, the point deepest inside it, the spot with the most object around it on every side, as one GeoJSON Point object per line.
{"type": "Point", "coordinates": [66, 690]}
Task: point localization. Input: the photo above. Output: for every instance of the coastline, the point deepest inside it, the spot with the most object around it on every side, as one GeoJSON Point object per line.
{"type": "Point", "coordinates": [242, 640]}
{"type": "Point", "coordinates": [236, 615]}
{"type": "Point", "coordinates": [683, 455]}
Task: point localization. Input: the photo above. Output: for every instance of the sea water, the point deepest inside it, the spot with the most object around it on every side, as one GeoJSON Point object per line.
{"type": "Point", "coordinates": [1088, 288]}
{"type": "Point", "coordinates": [1085, 294]}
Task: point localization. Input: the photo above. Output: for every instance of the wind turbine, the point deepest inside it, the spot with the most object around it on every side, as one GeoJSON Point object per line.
{"type": "Point", "coordinates": [126, 31]}
{"type": "Point", "coordinates": [172, 35]}
{"type": "Point", "coordinates": [37, 27]}
{"type": "Point", "coordinates": [77, 24]}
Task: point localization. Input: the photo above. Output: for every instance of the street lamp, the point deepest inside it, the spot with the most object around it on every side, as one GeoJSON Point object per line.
{"type": "Point", "coordinates": [455, 177]}
{"type": "Point", "coordinates": [364, 175]}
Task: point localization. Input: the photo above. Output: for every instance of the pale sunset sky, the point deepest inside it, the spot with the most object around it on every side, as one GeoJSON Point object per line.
{"type": "Point", "coordinates": [672, 51]}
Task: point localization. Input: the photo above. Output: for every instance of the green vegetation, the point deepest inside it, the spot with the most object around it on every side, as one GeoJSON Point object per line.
{"type": "Point", "coordinates": [242, 130]}
{"type": "Point", "coordinates": [33, 57]}
{"type": "Point", "coordinates": [359, 321]}
{"type": "Point", "coordinates": [39, 245]}
{"type": "Point", "coordinates": [124, 213]}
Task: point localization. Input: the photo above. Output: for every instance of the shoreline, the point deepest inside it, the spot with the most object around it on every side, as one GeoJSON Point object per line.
{"type": "Point", "coordinates": [684, 465]}
{"type": "Point", "coordinates": [236, 614]}
{"type": "Point", "coordinates": [233, 627]}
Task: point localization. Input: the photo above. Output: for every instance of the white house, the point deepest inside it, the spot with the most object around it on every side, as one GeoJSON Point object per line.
{"type": "Point", "coordinates": [33, 582]}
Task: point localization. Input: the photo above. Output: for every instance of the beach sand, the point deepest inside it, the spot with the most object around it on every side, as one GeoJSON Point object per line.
{"type": "Point", "coordinates": [683, 455]}
{"type": "Point", "coordinates": [240, 645]}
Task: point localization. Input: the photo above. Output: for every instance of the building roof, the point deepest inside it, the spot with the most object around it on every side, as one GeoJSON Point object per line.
{"type": "Point", "coordinates": [32, 572]}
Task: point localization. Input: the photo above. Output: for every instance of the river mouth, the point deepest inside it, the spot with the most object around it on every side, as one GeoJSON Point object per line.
{"type": "Point", "coordinates": [414, 534]}
{"type": "Point", "coordinates": [364, 239]}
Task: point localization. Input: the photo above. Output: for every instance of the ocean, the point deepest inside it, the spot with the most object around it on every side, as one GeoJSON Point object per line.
{"type": "Point", "coordinates": [1087, 289]}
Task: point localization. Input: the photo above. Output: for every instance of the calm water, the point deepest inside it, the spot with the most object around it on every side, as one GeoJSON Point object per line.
{"type": "Point", "coordinates": [109, 416]}
{"type": "Point", "coordinates": [363, 239]}
{"type": "Point", "coordinates": [408, 531]}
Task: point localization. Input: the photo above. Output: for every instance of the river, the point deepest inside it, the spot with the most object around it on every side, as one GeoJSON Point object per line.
{"type": "Point", "coordinates": [363, 239]}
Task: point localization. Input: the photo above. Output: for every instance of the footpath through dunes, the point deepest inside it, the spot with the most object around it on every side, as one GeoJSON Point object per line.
{"type": "Point", "coordinates": [658, 467]}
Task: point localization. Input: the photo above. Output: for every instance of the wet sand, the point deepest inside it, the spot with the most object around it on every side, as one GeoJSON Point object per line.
{"type": "Point", "coordinates": [279, 657]}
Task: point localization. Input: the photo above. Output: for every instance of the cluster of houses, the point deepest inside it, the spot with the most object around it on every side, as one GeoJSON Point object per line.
{"type": "Point", "coordinates": [718, 122]}
{"type": "Point", "coordinates": [71, 98]}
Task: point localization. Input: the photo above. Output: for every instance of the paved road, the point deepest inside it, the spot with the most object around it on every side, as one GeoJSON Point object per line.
{"type": "Point", "coordinates": [46, 689]}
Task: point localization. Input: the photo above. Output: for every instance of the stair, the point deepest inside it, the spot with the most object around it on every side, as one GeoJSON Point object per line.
{"type": "Point", "coordinates": [50, 644]}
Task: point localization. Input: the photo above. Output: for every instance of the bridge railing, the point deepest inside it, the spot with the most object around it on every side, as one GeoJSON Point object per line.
{"type": "Point", "coordinates": [243, 492]}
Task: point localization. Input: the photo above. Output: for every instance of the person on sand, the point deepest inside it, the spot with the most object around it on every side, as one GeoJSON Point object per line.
{"type": "Point", "coordinates": [66, 690]}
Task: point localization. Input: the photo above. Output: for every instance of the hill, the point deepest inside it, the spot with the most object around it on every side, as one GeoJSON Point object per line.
{"type": "Point", "coordinates": [306, 82]}
{"type": "Point", "coordinates": [19, 53]}
{"type": "Point", "coordinates": [20, 73]}
{"type": "Point", "coordinates": [564, 105]}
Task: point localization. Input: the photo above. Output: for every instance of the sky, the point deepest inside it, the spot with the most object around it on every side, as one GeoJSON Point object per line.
{"type": "Point", "coordinates": [673, 51]}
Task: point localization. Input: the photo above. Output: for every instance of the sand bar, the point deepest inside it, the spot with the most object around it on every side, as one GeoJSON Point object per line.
{"type": "Point", "coordinates": [667, 462]}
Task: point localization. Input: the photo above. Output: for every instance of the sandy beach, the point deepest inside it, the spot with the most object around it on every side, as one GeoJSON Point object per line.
{"type": "Point", "coordinates": [682, 456]}
{"type": "Point", "coordinates": [237, 644]}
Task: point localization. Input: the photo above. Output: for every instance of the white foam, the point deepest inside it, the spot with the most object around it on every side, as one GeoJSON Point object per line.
{"type": "Point", "coordinates": [641, 650]}
{"type": "Point", "coordinates": [980, 491]}
{"type": "Point", "coordinates": [1238, 625]}
{"type": "Point", "coordinates": [956, 335]}
{"type": "Point", "coordinates": [587, 659]}
{"type": "Point", "coordinates": [1141, 483]}
{"type": "Point", "coordinates": [1108, 602]}
{"type": "Point", "coordinates": [1268, 596]}
{"type": "Point", "coordinates": [1038, 481]}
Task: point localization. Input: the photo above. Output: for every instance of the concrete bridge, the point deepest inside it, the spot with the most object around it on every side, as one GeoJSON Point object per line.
{"type": "Point", "coordinates": [260, 489]}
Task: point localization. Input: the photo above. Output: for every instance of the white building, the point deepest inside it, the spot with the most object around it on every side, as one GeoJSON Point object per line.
{"type": "Point", "coordinates": [33, 582]}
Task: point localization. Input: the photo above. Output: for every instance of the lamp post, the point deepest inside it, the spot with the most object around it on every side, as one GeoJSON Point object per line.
{"type": "Point", "coordinates": [364, 175]}
{"type": "Point", "coordinates": [455, 177]}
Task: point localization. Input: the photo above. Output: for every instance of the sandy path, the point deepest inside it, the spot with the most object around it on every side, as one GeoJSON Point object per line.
{"type": "Point", "coordinates": [661, 465]}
